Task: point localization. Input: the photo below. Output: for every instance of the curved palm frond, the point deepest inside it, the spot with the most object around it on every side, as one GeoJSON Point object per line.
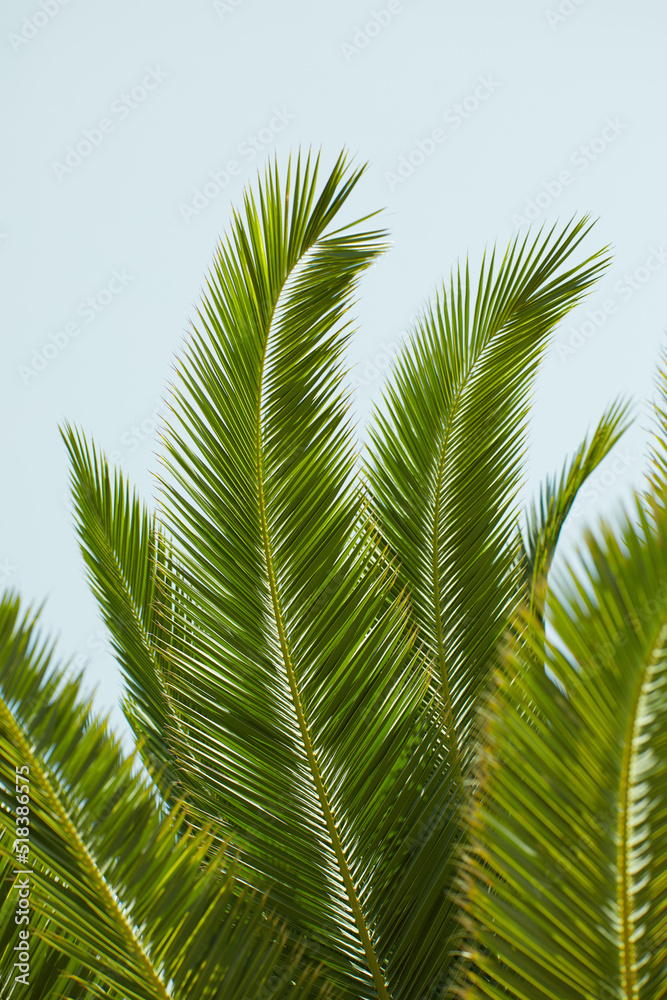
{"type": "Point", "coordinates": [126, 901]}
{"type": "Point", "coordinates": [545, 518]}
{"type": "Point", "coordinates": [127, 553]}
{"type": "Point", "coordinates": [445, 458]}
{"type": "Point", "coordinates": [294, 714]}
{"type": "Point", "coordinates": [567, 874]}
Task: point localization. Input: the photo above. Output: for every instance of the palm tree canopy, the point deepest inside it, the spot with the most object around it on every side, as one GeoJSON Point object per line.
{"type": "Point", "coordinates": [305, 648]}
{"type": "Point", "coordinates": [279, 682]}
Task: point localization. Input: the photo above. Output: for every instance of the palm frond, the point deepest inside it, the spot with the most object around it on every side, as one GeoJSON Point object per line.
{"type": "Point", "coordinates": [656, 495]}
{"type": "Point", "coordinates": [545, 518]}
{"type": "Point", "coordinates": [297, 718]}
{"type": "Point", "coordinates": [48, 974]}
{"type": "Point", "coordinates": [126, 901]}
{"type": "Point", "coordinates": [567, 873]}
{"type": "Point", "coordinates": [126, 553]}
{"type": "Point", "coordinates": [446, 450]}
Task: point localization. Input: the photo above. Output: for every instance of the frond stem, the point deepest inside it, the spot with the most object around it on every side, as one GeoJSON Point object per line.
{"type": "Point", "coordinates": [346, 875]}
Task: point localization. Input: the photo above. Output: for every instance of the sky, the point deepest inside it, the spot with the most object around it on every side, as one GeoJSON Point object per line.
{"type": "Point", "coordinates": [131, 130]}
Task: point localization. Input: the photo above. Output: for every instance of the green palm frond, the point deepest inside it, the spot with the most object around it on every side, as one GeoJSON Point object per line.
{"type": "Point", "coordinates": [126, 554]}
{"type": "Point", "coordinates": [294, 711]}
{"type": "Point", "coordinates": [567, 873]}
{"type": "Point", "coordinates": [545, 518]}
{"type": "Point", "coordinates": [446, 452]}
{"type": "Point", "coordinates": [47, 973]}
{"type": "Point", "coordinates": [126, 901]}
{"type": "Point", "coordinates": [656, 495]}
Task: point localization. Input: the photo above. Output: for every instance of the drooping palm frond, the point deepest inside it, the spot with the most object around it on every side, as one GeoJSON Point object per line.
{"type": "Point", "coordinates": [545, 518]}
{"type": "Point", "coordinates": [125, 901]}
{"type": "Point", "coordinates": [294, 712]}
{"type": "Point", "coordinates": [567, 874]}
{"type": "Point", "coordinates": [445, 458]}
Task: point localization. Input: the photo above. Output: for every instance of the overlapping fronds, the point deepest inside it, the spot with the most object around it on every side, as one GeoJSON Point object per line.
{"type": "Point", "coordinates": [271, 661]}
{"type": "Point", "coordinates": [38, 968]}
{"type": "Point", "coordinates": [124, 900]}
{"type": "Point", "coordinates": [567, 873]}
{"type": "Point", "coordinates": [305, 651]}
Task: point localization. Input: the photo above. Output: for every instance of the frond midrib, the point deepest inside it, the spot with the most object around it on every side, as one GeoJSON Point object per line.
{"type": "Point", "coordinates": [461, 387]}
{"type": "Point", "coordinates": [435, 570]}
{"type": "Point", "coordinates": [345, 873]}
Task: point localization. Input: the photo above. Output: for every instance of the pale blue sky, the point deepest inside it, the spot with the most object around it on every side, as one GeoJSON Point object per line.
{"type": "Point", "coordinates": [473, 117]}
